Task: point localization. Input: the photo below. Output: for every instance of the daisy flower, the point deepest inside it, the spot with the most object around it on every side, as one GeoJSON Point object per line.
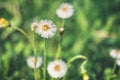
{"type": "Point", "coordinates": [34, 25]}
{"type": "Point", "coordinates": [46, 28]}
{"type": "Point", "coordinates": [57, 68]}
{"type": "Point", "coordinates": [115, 53]}
{"type": "Point", "coordinates": [65, 11]}
{"type": "Point", "coordinates": [31, 61]}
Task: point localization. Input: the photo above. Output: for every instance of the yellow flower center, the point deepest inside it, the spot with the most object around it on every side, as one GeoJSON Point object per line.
{"type": "Point", "coordinates": [45, 27]}
{"type": "Point", "coordinates": [57, 67]}
{"type": "Point", "coordinates": [34, 60]}
{"type": "Point", "coordinates": [64, 8]}
{"type": "Point", "coordinates": [116, 51]}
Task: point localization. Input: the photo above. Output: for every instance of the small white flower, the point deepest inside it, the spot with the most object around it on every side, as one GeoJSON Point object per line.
{"type": "Point", "coordinates": [46, 28]}
{"type": "Point", "coordinates": [57, 68]}
{"type": "Point", "coordinates": [34, 25]}
{"type": "Point", "coordinates": [115, 53]}
{"type": "Point", "coordinates": [65, 11]}
{"type": "Point", "coordinates": [31, 61]}
{"type": "Point", "coordinates": [61, 29]}
{"type": "Point", "coordinates": [118, 62]}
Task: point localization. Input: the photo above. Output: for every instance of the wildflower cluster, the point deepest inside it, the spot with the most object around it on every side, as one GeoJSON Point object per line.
{"type": "Point", "coordinates": [47, 29]}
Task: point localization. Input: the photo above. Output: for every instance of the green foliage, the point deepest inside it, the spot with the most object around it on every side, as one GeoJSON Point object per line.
{"type": "Point", "coordinates": [92, 31]}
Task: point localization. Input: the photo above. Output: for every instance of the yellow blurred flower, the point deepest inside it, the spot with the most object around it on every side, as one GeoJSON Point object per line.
{"type": "Point", "coordinates": [85, 76]}
{"type": "Point", "coordinates": [4, 23]}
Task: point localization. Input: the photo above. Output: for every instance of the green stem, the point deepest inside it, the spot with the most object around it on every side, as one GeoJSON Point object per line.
{"type": "Point", "coordinates": [113, 71]}
{"type": "Point", "coordinates": [76, 57]}
{"type": "Point", "coordinates": [60, 43]}
{"type": "Point", "coordinates": [36, 73]}
{"type": "Point", "coordinates": [25, 34]}
{"type": "Point", "coordinates": [52, 79]}
{"type": "Point", "coordinates": [63, 23]}
{"type": "Point", "coordinates": [114, 67]}
{"type": "Point", "coordinates": [119, 72]}
{"type": "Point", "coordinates": [58, 51]}
{"type": "Point", "coordinates": [64, 78]}
{"type": "Point", "coordinates": [83, 70]}
{"type": "Point", "coordinates": [44, 72]}
{"type": "Point", "coordinates": [35, 49]}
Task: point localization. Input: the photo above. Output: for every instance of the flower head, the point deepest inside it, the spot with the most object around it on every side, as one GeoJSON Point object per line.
{"type": "Point", "coordinates": [115, 53]}
{"type": "Point", "coordinates": [46, 28]}
{"type": "Point", "coordinates": [33, 62]}
{"type": "Point", "coordinates": [57, 68]}
{"type": "Point", "coordinates": [65, 11]}
{"type": "Point", "coordinates": [34, 26]}
{"type": "Point", "coordinates": [4, 23]}
{"type": "Point", "coordinates": [61, 30]}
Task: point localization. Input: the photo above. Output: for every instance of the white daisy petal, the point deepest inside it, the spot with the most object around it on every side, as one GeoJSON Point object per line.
{"type": "Point", "coordinates": [31, 62]}
{"type": "Point", "coordinates": [65, 11]}
{"type": "Point", "coordinates": [115, 53]}
{"type": "Point", "coordinates": [57, 68]}
{"type": "Point", "coordinates": [118, 62]}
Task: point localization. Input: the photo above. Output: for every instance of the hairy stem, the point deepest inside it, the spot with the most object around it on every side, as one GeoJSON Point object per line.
{"type": "Point", "coordinates": [44, 72]}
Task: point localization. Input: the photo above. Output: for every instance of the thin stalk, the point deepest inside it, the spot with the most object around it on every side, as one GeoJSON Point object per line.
{"type": "Point", "coordinates": [25, 34]}
{"type": "Point", "coordinates": [60, 43]}
{"type": "Point", "coordinates": [114, 67]}
{"type": "Point", "coordinates": [52, 79]}
{"type": "Point", "coordinates": [44, 72]}
{"type": "Point", "coordinates": [119, 73]}
{"type": "Point", "coordinates": [63, 23]}
{"type": "Point", "coordinates": [64, 78]}
{"type": "Point", "coordinates": [36, 73]}
{"type": "Point", "coordinates": [35, 49]}
{"type": "Point", "coordinates": [58, 51]}
{"type": "Point", "coordinates": [113, 70]}
{"type": "Point", "coordinates": [82, 65]}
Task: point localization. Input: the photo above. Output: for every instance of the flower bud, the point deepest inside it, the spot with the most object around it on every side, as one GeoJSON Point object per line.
{"type": "Point", "coordinates": [61, 30]}
{"type": "Point", "coordinates": [4, 23]}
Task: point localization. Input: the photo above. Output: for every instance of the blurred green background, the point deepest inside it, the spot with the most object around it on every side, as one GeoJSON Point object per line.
{"type": "Point", "coordinates": [92, 31]}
